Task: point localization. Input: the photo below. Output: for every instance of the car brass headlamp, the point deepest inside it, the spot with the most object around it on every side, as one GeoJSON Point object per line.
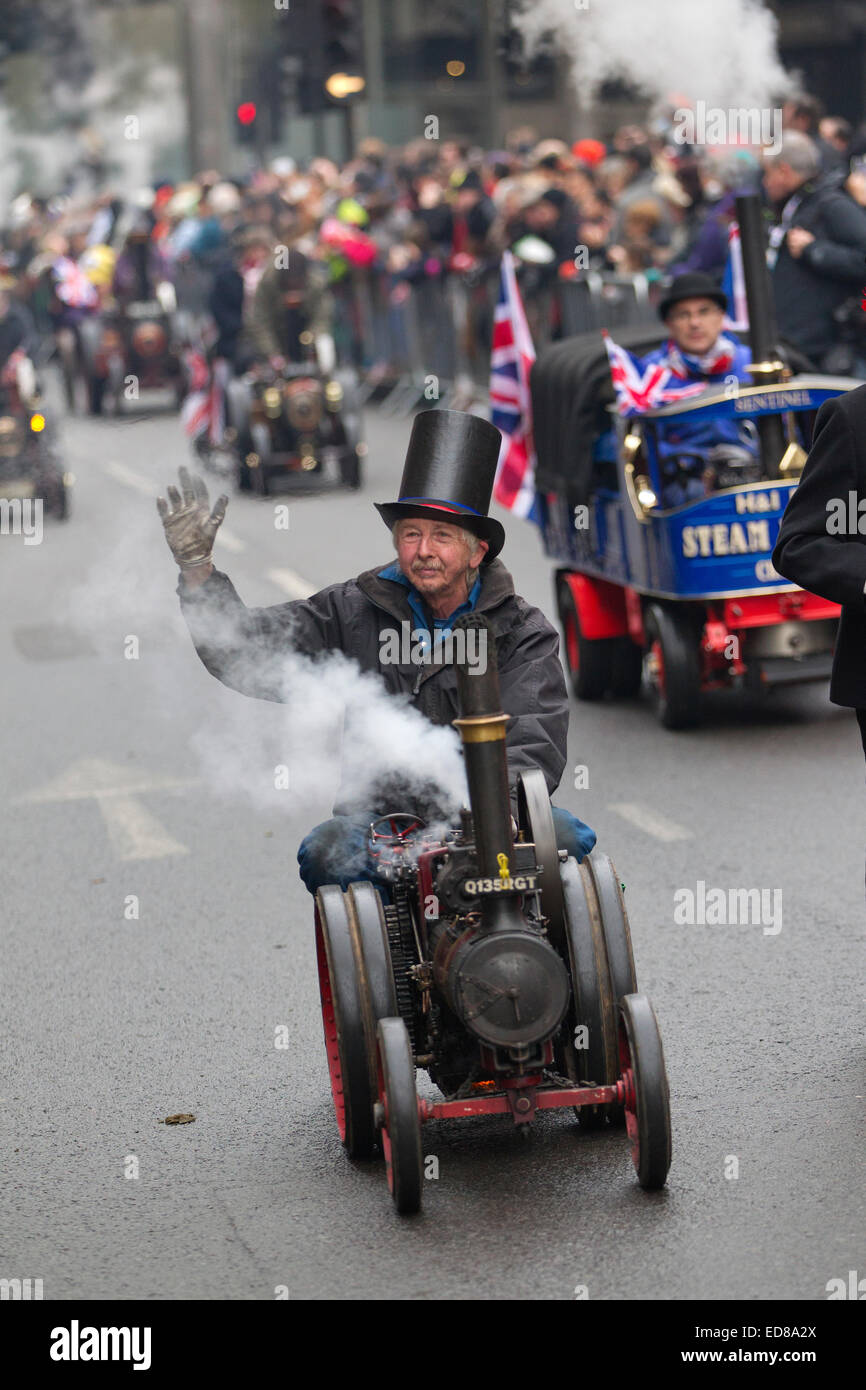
{"type": "Point", "coordinates": [271, 399]}
{"type": "Point", "coordinates": [645, 495]}
{"type": "Point", "coordinates": [333, 395]}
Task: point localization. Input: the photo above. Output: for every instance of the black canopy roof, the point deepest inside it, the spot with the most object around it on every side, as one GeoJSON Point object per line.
{"type": "Point", "coordinates": [571, 386]}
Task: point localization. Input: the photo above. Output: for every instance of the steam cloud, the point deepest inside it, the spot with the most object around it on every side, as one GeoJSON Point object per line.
{"type": "Point", "coordinates": [723, 53]}
{"type": "Point", "coordinates": [337, 728]}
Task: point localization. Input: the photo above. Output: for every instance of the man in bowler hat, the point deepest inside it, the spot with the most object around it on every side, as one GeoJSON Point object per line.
{"type": "Point", "coordinates": [697, 351]}
{"type": "Point", "coordinates": [447, 564]}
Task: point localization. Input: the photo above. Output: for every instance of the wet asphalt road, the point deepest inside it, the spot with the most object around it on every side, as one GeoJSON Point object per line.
{"type": "Point", "coordinates": [143, 779]}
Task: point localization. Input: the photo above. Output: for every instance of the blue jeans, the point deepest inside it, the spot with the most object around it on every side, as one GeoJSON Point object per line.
{"type": "Point", "coordinates": [336, 851]}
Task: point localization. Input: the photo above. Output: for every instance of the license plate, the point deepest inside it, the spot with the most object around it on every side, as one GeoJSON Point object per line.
{"type": "Point", "coordinates": [291, 463]}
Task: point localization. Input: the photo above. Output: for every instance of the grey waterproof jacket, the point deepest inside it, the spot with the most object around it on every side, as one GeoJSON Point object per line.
{"type": "Point", "coordinates": [243, 646]}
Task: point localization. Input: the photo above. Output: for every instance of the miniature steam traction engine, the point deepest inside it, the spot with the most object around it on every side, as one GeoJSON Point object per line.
{"type": "Point", "coordinates": [500, 966]}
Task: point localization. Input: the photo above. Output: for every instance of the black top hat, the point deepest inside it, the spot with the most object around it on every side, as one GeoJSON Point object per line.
{"type": "Point", "coordinates": [693, 285]}
{"type": "Point", "coordinates": [448, 474]}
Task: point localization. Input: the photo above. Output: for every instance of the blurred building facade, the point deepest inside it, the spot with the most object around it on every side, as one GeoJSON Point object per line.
{"type": "Point", "coordinates": [72, 75]}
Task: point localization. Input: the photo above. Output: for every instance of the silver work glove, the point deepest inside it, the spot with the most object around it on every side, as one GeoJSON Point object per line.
{"type": "Point", "coordinates": [190, 525]}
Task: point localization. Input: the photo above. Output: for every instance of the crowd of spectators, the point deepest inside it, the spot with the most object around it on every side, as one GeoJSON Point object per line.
{"type": "Point", "coordinates": [638, 204]}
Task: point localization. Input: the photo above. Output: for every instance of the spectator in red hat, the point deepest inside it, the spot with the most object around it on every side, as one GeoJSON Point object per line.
{"type": "Point", "coordinates": [591, 152]}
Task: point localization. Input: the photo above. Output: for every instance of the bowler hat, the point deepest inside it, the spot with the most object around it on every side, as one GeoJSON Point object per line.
{"type": "Point", "coordinates": [448, 475]}
{"type": "Point", "coordinates": [693, 285]}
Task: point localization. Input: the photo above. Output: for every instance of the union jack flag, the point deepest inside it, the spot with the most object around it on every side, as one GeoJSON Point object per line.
{"type": "Point", "coordinates": [72, 286]}
{"type": "Point", "coordinates": [511, 405]}
{"type": "Point", "coordinates": [639, 386]}
{"type": "Point", "coordinates": [734, 283]}
{"type": "Point", "coordinates": [203, 410]}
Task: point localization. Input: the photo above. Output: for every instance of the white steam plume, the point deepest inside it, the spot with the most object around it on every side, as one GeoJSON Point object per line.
{"type": "Point", "coordinates": [338, 726]}
{"type": "Point", "coordinates": [722, 52]}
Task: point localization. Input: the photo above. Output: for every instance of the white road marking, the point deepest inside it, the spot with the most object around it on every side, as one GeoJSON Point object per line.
{"type": "Point", "coordinates": [651, 822]}
{"type": "Point", "coordinates": [130, 478]}
{"type": "Point", "coordinates": [291, 583]}
{"type": "Point", "coordinates": [139, 483]}
{"type": "Point", "coordinates": [231, 542]}
{"type": "Point", "coordinates": [133, 831]}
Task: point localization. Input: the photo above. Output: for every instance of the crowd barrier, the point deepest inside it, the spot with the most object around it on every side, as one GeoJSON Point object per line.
{"type": "Point", "coordinates": [430, 339]}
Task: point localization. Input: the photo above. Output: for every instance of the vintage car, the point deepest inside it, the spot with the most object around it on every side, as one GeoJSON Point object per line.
{"type": "Point", "coordinates": [29, 461]}
{"type": "Point", "coordinates": [133, 347]}
{"type": "Point", "coordinates": [686, 596]}
{"type": "Point", "coordinates": [303, 428]}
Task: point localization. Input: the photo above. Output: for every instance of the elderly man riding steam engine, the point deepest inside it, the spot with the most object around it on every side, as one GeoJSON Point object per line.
{"type": "Point", "coordinates": [446, 565]}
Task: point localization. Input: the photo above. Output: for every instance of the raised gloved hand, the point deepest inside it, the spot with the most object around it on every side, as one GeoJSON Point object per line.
{"type": "Point", "coordinates": [190, 525]}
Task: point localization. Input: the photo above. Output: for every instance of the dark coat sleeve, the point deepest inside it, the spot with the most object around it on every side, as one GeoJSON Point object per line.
{"type": "Point", "coordinates": [807, 552]}
{"type": "Point", "coordinates": [840, 242]}
{"type": "Point", "coordinates": [245, 647]}
{"type": "Point", "coordinates": [531, 681]}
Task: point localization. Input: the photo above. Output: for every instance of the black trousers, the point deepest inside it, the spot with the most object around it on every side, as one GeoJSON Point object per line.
{"type": "Point", "coordinates": [861, 720]}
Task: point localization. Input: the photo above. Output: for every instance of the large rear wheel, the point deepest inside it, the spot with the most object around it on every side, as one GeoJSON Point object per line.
{"type": "Point", "coordinates": [379, 994]}
{"type": "Point", "coordinates": [617, 939]}
{"type": "Point", "coordinates": [614, 923]}
{"type": "Point", "coordinates": [345, 1012]}
{"type": "Point", "coordinates": [591, 1049]}
{"type": "Point", "coordinates": [535, 819]}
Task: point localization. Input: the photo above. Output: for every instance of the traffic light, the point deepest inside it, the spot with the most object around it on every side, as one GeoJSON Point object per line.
{"type": "Point", "coordinates": [342, 49]}
{"type": "Point", "coordinates": [246, 117]}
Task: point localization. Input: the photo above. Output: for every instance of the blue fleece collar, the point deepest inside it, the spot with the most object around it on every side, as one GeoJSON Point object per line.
{"type": "Point", "coordinates": [416, 602]}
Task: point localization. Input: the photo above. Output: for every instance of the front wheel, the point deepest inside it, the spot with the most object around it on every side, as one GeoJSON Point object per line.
{"type": "Point", "coordinates": [344, 1018]}
{"type": "Point", "coordinates": [61, 501]}
{"type": "Point", "coordinates": [672, 667]}
{"type": "Point", "coordinates": [647, 1107]}
{"type": "Point", "coordinates": [588, 660]}
{"type": "Point", "coordinates": [350, 469]}
{"type": "Point", "coordinates": [259, 479]}
{"type": "Point", "coordinates": [401, 1124]}
{"type": "Point", "coordinates": [96, 394]}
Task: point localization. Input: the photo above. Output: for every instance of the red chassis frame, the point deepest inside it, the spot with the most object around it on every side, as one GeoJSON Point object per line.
{"type": "Point", "coordinates": [531, 1096]}
{"type": "Point", "coordinates": [606, 609]}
